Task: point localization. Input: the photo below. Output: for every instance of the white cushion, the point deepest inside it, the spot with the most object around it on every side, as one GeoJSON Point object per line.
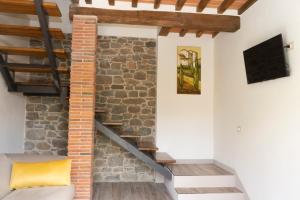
{"type": "Point", "coordinates": [5, 171]}
{"type": "Point", "coordinates": [42, 193]}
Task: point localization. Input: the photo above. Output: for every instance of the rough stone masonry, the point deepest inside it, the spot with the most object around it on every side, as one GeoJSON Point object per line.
{"type": "Point", "coordinates": [126, 87]}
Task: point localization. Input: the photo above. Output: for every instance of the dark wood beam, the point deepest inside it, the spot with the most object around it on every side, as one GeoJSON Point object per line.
{"type": "Point", "coordinates": [207, 22]}
{"type": "Point", "coordinates": [179, 4]}
{"type": "Point", "coordinates": [164, 31]}
{"type": "Point", "coordinates": [247, 5]}
{"type": "Point", "coordinates": [157, 4]}
{"type": "Point", "coordinates": [183, 32]}
{"type": "Point", "coordinates": [199, 34]}
{"type": "Point", "coordinates": [134, 3]}
{"type": "Point", "coordinates": [224, 6]}
{"type": "Point", "coordinates": [214, 34]}
{"type": "Point", "coordinates": [202, 5]}
{"type": "Point", "coordinates": [111, 2]}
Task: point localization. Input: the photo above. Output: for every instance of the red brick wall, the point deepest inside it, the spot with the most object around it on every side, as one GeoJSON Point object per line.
{"type": "Point", "coordinates": [82, 104]}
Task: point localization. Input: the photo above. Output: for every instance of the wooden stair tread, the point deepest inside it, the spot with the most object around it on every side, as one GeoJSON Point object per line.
{"type": "Point", "coordinates": [38, 52]}
{"type": "Point", "coordinates": [41, 69]}
{"type": "Point", "coordinates": [211, 190]}
{"type": "Point", "coordinates": [164, 158]}
{"type": "Point", "coordinates": [112, 123]}
{"type": "Point", "coordinates": [29, 31]}
{"type": "Point", "coordinates": [198, 170]}
{"type": "Point", "coordinates": [39, 83]}
{"type": "Point", "coordinates": [130, 135]}
{"type": "Point", "coordinates": [147, 146]}
{"type": "Point", "coordinates": [100, 110]}
{"type": "Point", "coordinates": [28, 7]}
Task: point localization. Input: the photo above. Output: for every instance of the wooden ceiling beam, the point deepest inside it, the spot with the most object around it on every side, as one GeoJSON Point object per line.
{"type": "Point", "coordinates": [183, 32]}
{"type": "Point", "coordinates": [224, 6]}
{"type": "Point", "coordinates": [247, 5]}
{"type": "Point", "coordinates": [157, 4]}
{"type": "Point", "coordinates": [111, 2]}
{"type": "Point", "coordinates": [213, 35]}
{"type": "Point", "coordinates": [179, 4]}
{"type": "Point", "coordinates": [202, 5]}
{"type": "Point", "coordinates": [134, 3]}
{"type": "Point", "coordinates": [199, 34]}
{"type": "Point", "coordinates": [164, 31]}
{"type": "Point", "coordinates": [28, 7]}
{"type": "Point", "coordinates": [207, 22]}
{"type": "Point", "coordinates": [29, 31]}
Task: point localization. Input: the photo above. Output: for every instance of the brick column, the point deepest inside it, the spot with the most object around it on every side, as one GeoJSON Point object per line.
{"type": "Point", "coordinates": [82, 104]}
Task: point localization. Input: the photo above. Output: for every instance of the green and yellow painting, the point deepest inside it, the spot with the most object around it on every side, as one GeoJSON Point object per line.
{"type": "Point", "coordinates": [188, 70]}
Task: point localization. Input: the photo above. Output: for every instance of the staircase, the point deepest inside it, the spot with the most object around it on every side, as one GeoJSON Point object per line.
{"type": "Point", "coordinates": [203, 182]}
{"type": "Point", "coordinates": [145, 151]}
{"type": "Point", "coordinates": [53, 86]}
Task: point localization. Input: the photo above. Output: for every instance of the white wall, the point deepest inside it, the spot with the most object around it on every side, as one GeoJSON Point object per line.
{"type": "Point", "coordinates": [184, 122]}
{"type": "Point", "coordinates": [12, 105]}
{"type": "Point", "coordinates": [266, 152]}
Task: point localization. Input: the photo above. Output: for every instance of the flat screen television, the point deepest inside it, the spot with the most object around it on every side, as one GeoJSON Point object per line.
{"type": "Point", "coordinates": [266, 61]}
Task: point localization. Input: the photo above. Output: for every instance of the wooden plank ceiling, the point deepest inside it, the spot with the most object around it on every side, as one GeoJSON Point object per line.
{"type": "Point", "coordinates": [191, 24]}
{"type": "Point", "coordinates": [221, 5]}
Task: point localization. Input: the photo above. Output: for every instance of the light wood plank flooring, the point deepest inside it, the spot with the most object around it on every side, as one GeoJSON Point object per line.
{"type": "Point", "coordinates": [130, 191]}
{"type": "Point", "coordinates": [197, 170]}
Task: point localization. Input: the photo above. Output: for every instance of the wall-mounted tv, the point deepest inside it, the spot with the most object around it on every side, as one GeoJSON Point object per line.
{"type": "Point", "coordinates": [266, 61]}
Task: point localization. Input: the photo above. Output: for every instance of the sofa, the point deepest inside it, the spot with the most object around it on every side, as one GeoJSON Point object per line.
{"type": "Point", "coordinates": [36, 193]}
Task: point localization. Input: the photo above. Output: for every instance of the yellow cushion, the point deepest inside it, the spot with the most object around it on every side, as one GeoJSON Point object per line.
{"type": "Point", "coordinates": [52, 173]}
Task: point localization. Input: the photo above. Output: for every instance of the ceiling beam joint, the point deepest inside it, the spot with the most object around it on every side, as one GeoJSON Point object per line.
{"type": "Point", "coordinates": [157, 4]}
{"type": "Point", "coordinates": [164, 31]}
{"type": "Point", "coordinates": [134, 3]}
{"type": "Point", "coordinates": [202, 5]}
{"type": "Point", "coordinates": [224, 6]}
{"type": "Point", "coordinates": [179, 4]}
{"type": "Point", "coordinates": [245, 7]}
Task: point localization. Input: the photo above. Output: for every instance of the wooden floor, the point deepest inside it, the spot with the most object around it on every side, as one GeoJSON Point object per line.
{"type": "Point", "coordinates": [197, 170]}
{"type": "Point", "coordinates": [207, 190]}
{"type": "Point", "coordinates": [130, 191]}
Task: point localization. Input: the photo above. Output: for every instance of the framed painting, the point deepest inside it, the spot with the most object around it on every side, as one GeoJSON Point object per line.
{"type": "Point", "coordinates": [188, 70]}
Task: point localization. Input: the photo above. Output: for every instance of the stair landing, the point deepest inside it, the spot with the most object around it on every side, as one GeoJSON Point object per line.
{"type": "Point", "coordinates": [197, 170]}
{"type": "Point", "coordinates": [203, 182]}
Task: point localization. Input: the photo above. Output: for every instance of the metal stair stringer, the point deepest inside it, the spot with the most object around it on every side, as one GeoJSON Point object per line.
{"type": "Point", "coordinates": [110, 133]}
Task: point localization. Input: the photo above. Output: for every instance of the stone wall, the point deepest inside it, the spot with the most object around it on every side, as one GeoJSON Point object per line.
{"type": "Point", "coordinates": [126, 87]}
{"type": "Point", "coordinates": [46, 126]}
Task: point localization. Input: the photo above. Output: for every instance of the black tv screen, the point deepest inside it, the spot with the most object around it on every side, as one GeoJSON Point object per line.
{"type": "Point", "coordinates": [266, 61]}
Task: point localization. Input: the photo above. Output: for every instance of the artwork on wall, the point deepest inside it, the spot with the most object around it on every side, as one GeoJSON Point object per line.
{"type": "Point", "coordinates": [188, 70]}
